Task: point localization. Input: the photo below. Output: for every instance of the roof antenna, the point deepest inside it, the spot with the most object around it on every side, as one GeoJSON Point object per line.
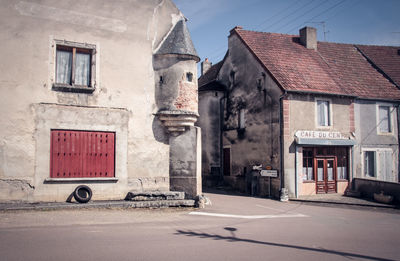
{"type": "Point", "coordinates": [323, 28]}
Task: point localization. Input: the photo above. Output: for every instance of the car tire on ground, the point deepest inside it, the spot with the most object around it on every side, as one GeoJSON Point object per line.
{"type": "Point", "coordinates": [82, 194]}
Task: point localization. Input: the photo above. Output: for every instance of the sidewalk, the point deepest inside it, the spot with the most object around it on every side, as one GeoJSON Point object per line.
{"type": "Point", "coordinates": [339, 199]}
{"type": "Point", "coordinates": [96, 204]}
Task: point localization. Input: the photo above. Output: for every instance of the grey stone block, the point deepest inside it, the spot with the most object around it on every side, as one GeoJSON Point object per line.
{"type": "Point", "coordinates": [155, 195]}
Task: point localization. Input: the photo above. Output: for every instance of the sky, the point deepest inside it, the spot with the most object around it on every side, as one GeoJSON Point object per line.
{"type": "Point", "coordinates": [375, 22]}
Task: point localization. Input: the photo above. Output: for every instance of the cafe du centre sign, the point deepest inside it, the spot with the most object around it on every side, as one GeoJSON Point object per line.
{"type": "Point", "coordinates": [327, 138]}
{"type": "Point", "coordinates": [320, 135]}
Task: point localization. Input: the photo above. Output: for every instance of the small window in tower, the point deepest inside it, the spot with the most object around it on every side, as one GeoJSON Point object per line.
{"type": "Point", "coordinates": [189, 77]}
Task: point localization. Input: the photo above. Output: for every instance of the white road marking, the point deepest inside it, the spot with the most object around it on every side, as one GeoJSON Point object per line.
{"type": "Point", "coordinates": [261, 206]}
{"type": "Point", "coordinates": [247, 216]}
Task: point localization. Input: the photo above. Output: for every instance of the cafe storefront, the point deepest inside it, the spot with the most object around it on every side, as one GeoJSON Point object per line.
{"type": "Point", "coordinates": [323, 162]}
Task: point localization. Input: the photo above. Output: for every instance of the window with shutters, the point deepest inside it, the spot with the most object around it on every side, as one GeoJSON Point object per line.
{"type": "Point", "coordinates": [74, 67]}
{"type": "Point", "coordinates": [323, 113]}
{"type": "Point", "coordinates": [369, 164]}
{"type": "Point", "coordinates": [82, 154]}
{"type": "Point", "coordinates": [384, 118]}
{"type": "Point", "coordinates": [378, 163]}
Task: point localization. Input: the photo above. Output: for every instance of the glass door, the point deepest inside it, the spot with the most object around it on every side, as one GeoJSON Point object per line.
{"type": "Point", "coordinates": [325, 175]}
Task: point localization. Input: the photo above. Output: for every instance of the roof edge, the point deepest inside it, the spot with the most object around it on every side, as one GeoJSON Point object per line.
{"type": "Point", "coordinates": [373, 64]}
{"type": "Point", "coordinates": [234, 31]}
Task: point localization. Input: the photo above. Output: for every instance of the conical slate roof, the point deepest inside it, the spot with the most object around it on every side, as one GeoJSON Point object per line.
{"type": "Point", "coordinates": [179, 42]}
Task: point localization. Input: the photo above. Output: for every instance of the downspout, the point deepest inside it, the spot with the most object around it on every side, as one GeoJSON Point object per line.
{"type": "Point", "coordinates": [281, 149]}
{"type": "Point", "coordinates": [398, 143]}
{"type": "Point", "coordinates": [221, 133]}
{"type": "Point", "coordinates": [295, 173]}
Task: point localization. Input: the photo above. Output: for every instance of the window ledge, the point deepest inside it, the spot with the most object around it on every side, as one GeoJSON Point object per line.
{"type": "Point", "coordinates": [385, 133]}
{"type": "Point", "coordinates": [73, 88]}
{"type": "Point", "coordinates": [85, 179]}
{"type": "Point", "coordinates": [308, 181]}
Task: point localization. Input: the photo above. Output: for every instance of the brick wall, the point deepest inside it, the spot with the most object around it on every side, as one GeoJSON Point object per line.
{"type": "Point", "coordinates": [187, 99]}
{"type": "Point", "coordinates": [286, 113]}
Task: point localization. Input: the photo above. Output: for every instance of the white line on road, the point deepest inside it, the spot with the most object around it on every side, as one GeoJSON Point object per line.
{"type": "Point", "coordinates": [260, 206]}
{"type": "Point", "coordinates": [246, 216]}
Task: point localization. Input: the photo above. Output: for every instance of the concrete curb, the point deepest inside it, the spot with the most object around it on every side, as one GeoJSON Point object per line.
{"type": "Point", "coordinates": [98, 204]}
{"type": "Point", "coordinates": [373, 205]}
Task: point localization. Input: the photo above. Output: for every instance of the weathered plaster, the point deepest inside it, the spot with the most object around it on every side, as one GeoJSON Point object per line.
{"type": "Point", "coordinates": [70, 17]}
{"type": "Point", "coordinates": [367, 135]}
{"type": "Point", "coordinates": [250, 88]}
{"type": "Point", "coordinates": [124, 100]}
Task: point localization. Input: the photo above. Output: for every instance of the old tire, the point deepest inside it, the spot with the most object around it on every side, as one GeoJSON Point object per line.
{"type": "Point", "coordinates": [82, 194]}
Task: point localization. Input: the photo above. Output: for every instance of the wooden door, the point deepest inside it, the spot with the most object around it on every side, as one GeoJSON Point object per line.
{"type": "Point", "coordinates": [227, 161]}
{"type": "Point", "coordinates": [325, 175]}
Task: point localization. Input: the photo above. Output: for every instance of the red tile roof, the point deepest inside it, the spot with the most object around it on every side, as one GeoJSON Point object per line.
{"type": "Point", "coordinates": [333, 69]}
{"type": "Point", "coordinates": [386, 58]}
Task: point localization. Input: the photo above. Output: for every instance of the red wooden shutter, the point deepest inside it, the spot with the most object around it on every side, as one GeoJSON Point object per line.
{"type": "Point", "coordinates": [82, 154]}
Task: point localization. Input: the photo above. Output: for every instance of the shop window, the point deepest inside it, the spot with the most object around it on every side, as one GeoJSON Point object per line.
{"type": "Point", "coordinates": [384, 118]}
{"type": "Point", "coordinates": [323, 113]}
{"type": "Point", "coordinates": [74, 67]}
{"type": "Point", "coordinates": [342, 163]}
{"type": "Point", "coordinates": [308, 164]}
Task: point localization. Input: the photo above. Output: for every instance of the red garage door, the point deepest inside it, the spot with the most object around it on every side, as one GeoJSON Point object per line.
{"type": "Point", "coordinates": [82, 154]}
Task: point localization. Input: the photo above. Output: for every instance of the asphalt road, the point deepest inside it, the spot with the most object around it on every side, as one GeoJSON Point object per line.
{"type": "Point", "coordinates": [232, 228]}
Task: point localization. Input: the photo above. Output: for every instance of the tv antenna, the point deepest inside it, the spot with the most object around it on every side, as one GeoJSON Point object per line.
{"type": "Point", "coordinates": [323, 28]}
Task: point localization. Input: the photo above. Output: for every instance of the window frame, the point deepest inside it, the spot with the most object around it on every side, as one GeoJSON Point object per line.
{"type": "Point", "coordinates": [390, 119]}
{"type": "Point", "coordinates": [377, 162]}
{"type": "Point", "coordinates": [364, 154]}
{"type": "Point", "coordinates": [309, 149]}
{"type": "Point", "coordinates": [330, 113]}
{"type": "Point", "coordinates": [241, 119]}
{"type": "Point", "coordinates": [75, 47]}
{"type": "Point", "coordinates": [76, 160]}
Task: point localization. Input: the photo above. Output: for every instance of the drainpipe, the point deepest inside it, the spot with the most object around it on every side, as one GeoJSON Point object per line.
{"type": "Point", "coordinates": [398, 143]}
{"type": "Point", "coordinates": [295, 174]}
{"type": "Point", "coordinates": [221, 133]}
{"type": "Point", "coordinates": [281, 153]}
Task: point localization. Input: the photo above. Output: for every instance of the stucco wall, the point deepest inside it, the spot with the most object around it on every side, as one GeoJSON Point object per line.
{"type": "Point", "coordinates": [250, 89]}
{"type": "Point", "coordinates": [173, 90]}
{"type": "Point", "coordinates": [302, 116]}
{"type": "Point", "coordinates": [210, 123]}
{"type": "Point", "coordinates": [125, 34]}
{"type": "Point", "coordinates": [368, 137]}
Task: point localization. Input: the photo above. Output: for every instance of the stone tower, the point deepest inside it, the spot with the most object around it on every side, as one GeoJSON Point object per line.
{"type": "Point", "coordinates": [175, 66]}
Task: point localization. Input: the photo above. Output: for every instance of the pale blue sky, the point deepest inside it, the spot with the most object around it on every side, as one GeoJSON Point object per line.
{"type": "Point", "coordinates": [346, 21]}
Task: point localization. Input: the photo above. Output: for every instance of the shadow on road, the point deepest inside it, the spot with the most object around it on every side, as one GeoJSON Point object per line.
{"type": "Point", "coordinates": [233, 238]}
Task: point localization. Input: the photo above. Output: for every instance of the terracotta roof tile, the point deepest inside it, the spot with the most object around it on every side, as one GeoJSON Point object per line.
{"type": "Point", "coordinates": [333, 69]}
{"type": "Point", "coordinates": [386, 58]}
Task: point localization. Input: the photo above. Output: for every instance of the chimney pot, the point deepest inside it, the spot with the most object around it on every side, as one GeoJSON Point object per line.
{"type": "Point", "coordinates": [308, 37]}
{"type": "Point", "coordinates": [205, 66]}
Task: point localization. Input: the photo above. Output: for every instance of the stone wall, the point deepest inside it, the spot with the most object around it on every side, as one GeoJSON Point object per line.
{"type": "Point", "coordinates": [124, 35]}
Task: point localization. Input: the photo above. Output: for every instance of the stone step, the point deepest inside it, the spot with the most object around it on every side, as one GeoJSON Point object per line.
{"type": "Point", "coordinates": [155, 195]}
{"type": "Point", "coordinates": [161, 203]}
{"type": "Point", "coordinates": [98, 204]}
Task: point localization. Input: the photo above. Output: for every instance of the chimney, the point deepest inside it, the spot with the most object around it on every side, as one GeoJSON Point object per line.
{"type": "Point", "coordinates": [205, 66]}
{"type": "Point", "coordinates": [308, 37]}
